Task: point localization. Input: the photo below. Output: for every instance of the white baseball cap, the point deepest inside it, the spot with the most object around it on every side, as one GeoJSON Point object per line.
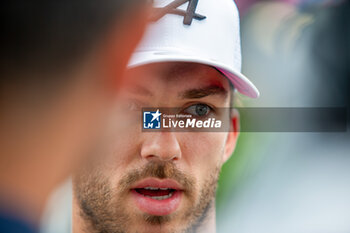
{"type": "Point", "coordinates": [200, 31]}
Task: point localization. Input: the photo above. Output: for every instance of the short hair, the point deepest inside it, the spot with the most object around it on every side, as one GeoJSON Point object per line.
{"type": "Point", "coordinates": [53, 35]}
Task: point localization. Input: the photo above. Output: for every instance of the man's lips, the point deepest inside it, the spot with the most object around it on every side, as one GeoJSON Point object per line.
{"type": "Point", "coordinates": [158, 183]}
{"type": "Point", "coordinates": [157, 197]}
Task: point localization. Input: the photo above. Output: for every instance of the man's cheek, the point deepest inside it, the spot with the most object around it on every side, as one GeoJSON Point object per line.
{"type": "Point", "coordinates": [208, 146]}
{"type": "Point", "coordinates": [210, 155]}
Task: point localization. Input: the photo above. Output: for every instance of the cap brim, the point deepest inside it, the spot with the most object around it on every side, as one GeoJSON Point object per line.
{"type": "Point", "coordinates": [239, 81]}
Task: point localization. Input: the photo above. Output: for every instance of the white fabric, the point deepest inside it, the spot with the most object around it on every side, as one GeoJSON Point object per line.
{"type": "Point", "coordinates": [213, 41]}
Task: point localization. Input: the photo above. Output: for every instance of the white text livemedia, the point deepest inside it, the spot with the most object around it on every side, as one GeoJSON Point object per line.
{"type": "Point", "coordinates": [191, 123]}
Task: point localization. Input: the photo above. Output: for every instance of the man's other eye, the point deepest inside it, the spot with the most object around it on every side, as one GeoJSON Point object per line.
{"type": "Point", "coordinates": [200, 110]}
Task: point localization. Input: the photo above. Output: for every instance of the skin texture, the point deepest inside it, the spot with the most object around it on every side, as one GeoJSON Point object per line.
{"type": "Point", "coordinates": [102, 195]}
{"type": "Point", "coordinates": [45, 135]}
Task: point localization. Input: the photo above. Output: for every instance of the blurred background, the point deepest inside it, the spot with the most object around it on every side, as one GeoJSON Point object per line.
{"type": "Point", "coordinates": [297, 52]}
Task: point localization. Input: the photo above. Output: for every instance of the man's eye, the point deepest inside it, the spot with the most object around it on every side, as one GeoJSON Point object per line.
{"type": "Point", "coordinates": [198, 110]}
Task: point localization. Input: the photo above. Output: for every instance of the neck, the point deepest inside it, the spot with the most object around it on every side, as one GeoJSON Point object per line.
{"type": "Point", "coordinates": [78, 223]}
{"type": "Point", "coordinates": [208, 223]}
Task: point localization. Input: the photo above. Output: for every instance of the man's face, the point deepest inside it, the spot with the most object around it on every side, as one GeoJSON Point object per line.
{"type": "Point", "coordinates": [158, 181]}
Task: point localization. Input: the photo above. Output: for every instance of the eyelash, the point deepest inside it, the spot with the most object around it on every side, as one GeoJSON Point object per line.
{"type": "Point", "coordinates": [211, 108]}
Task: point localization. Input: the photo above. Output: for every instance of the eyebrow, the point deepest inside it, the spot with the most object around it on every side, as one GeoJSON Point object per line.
{"type": "Point", "coordinates": [204, 92]}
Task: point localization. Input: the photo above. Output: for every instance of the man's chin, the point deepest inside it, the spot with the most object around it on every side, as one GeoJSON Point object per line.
{"type": "Point", "coordinates": [143, 222]}
{"type": "Point", "coordinates": [158, 224]}
{"type": "Point", "coordinates": [157, 220]}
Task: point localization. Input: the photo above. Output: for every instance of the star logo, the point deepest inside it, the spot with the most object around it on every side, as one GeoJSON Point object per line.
{"type": "Point", "coordinates": [151, 119]}
{"type": "Point", "coordinates": [156, 115]}
{"type": "Point", "coordinates": [172, 8]}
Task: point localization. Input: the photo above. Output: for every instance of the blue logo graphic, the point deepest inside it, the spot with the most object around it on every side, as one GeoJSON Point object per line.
{"type": "Point", "coordinates": [151, 120]}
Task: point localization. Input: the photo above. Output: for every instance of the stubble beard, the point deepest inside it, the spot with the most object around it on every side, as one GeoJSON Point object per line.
{"type": "Point", "coordinates": [101, 206]}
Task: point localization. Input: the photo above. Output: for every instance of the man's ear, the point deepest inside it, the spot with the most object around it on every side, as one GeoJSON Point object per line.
{"type": "Point", "coordinates": [232, 135]}
{"type": "Point", "coordinates": [122, 41]}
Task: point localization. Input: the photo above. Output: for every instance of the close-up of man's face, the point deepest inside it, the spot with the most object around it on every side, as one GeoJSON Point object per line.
{"type": "Point", "coordinates": [158, 181]}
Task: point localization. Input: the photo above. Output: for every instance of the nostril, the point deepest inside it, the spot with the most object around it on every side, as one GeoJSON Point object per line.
{"type": "Point", "coordinates": [150, 156]}
{"type": "Point", "coordinates": [162, 157]}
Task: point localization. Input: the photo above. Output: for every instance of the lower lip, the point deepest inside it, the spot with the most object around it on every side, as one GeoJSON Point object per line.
{"type": "Point", "coordinates": [157, 207]}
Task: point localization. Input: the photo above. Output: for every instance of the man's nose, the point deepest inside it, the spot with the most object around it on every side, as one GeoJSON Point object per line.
{"type": "Point", "coordinates": [161, 145]}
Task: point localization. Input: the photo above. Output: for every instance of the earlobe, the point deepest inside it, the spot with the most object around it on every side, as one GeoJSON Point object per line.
{"type": "Point", "coordinates": [232, 136]}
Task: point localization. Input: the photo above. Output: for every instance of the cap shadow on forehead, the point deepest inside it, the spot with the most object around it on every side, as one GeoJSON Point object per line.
{"type": "Point", "coordinates": [190, 80]}
{"type": "Point", "coordinates": [178, 71]}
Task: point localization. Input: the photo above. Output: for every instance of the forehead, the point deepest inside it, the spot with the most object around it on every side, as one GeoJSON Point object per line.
{"type": "Point", "coordinates": [176, 75]}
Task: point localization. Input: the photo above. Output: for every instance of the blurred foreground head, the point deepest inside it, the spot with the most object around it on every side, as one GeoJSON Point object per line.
{"type": "Point", "coordinates": [60, 65]}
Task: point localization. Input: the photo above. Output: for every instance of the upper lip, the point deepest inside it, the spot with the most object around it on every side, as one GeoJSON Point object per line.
{"type": "Point", "coordinates": [157, 183]}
